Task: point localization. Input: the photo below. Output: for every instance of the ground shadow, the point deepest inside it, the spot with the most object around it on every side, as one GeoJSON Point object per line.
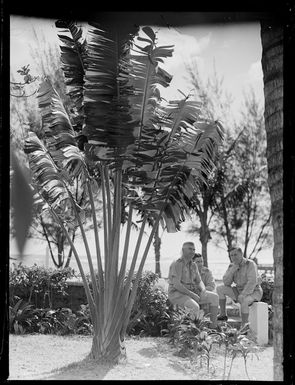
{"type": "Point", "coordinates": [149, 352]}
{"type": "Point", "coordinates": [155, 351]}
{"type": "Point", "coordinates": [86, 369]}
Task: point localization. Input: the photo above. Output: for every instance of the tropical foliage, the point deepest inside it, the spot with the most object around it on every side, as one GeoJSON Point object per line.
{"type": "Point", "coordinates": [38, 285]}
{"type": "Point", "coordinates": [146, 154]}
{"type": "Point", "coordinates": [229, 207]}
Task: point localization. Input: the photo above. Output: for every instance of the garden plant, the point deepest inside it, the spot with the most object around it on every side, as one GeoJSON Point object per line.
{"type": "Point", "coordinates": [126, 146]}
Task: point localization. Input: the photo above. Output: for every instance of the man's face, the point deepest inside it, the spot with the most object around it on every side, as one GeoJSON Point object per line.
{"type": "Point", "coordinates": [199, 262]}
{"type": "Point", "coordinates": [236, 257]}
{"type": "Point", "coordinates": [188, 251]}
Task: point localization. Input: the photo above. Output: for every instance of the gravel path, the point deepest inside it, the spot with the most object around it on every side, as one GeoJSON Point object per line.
{"type": "Point", "coordinates": [51, 357]}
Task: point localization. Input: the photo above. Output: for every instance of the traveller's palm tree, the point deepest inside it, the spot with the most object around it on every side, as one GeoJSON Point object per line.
{"type": "Point", "coordinates": [147, 155]}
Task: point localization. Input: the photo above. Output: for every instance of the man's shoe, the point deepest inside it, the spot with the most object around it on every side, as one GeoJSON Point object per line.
{"type": "Point", "coordinates": [222, 318]}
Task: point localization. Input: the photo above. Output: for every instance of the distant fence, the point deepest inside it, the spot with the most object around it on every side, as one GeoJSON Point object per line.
{"type": "Point", "coordinates": [266, 269]}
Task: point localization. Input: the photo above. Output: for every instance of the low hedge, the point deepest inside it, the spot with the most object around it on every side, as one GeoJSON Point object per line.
{"type": "Point", "coordinates": [41, 300]}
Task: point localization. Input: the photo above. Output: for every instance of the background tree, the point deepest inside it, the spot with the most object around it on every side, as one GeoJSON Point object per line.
{"type": "Point", "coordinates": [252, 164]}
{"type": "Point", "coordinates": [144, 150]}
{"type": "Point", "coordinates": [242, 205]}
{"type": "Point", "coordinates": [215, 106]}
{"type": "Point", "coordinates": [25, 117]}
{"type": "Point", "coordinates": [235, 204]}
{"type": "Point", "coordinates": [157, 248]}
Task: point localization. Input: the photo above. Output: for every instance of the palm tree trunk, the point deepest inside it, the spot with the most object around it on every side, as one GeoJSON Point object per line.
{"type": "Point", "coordinates": [157, 246]}
{"type": "Point", "coordinates": [228, 235]}
{"type": "Point", "coordinates": [272, 65]}
{"type": "Point", "coordinates": [113, 351]}
{"type": "Point", "coordinates": [204, 236]}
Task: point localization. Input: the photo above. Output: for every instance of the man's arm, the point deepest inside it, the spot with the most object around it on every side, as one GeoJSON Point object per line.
{"type": "Point", "coordinates": [210, 282]}
{"type": "Point", "coordinates": [175, 280]}
{"type": "Point", "coordinates": [251, 279]}
{"type": "Point", "coordinates": [229, 274]}
{"type": "Point", "coordinates": [202, 286]}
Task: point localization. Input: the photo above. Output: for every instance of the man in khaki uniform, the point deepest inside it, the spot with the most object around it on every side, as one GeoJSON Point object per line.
{"type": "Point", "coordinates": [243, 273]}
{"type": "Point", "coordinates": [184, 280]}
{"type": "Point", "coordinates": [206, 274]}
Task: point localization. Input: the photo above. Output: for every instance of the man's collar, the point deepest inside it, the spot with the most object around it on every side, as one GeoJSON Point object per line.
{"type": "Point", "coordinates": [244, 260]}
{"type": "Point", "coordinates": [186, 261]}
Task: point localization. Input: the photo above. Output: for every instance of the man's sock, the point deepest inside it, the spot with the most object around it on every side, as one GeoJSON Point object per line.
{"type": "Point", "coordinates": [213, 310]}
{"type": "Point", "coordinates": [222, 307]}
{"type": "Point", "coordinates": [245, 318]}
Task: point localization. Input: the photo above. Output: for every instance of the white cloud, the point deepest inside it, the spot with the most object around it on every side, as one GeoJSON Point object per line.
{"type": "Point", "coordinates": [185, 46]}
{"type": "Point", "coordinates": [186, 49]}
{"type": "Point", "coordinates": [255, 72]}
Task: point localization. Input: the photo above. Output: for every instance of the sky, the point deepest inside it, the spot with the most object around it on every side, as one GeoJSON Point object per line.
{"type": "Point", "coordinates": [234, 49]}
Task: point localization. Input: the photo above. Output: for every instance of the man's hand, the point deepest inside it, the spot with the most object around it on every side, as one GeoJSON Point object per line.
{"type": "Point", "coordinates": [235, 267]}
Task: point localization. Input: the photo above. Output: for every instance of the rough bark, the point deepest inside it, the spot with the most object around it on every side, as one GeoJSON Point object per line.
{"type": "Point", "coordinates": [157, 247]}
{"type": "Point", "coordinates": [272, 65]}
{"type": "Point", "coordinates": [204, 236]}
{"type": "Point", "coordinates": [111, 352]}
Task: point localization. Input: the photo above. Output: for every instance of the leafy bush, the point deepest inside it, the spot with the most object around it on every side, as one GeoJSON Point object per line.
{"type": "Point", "coordinates": [21, 316]}
{"type": "Point", "coordinates": [186, 333]}
{"type": "Point", "coordinates": [235, 343]}
{"type": "Point", "coordinates": [151, 308]}
{"type": "Point", "coordinates": [60, 321]}
{"type": "Point", "coordinates": [33, 283]}
{"type": "Point", "coordinates": [83, 324]}
{"type": "Point", "coordinates": [24, 318]}
{"type": "Point", "coordinates": [267, 285]}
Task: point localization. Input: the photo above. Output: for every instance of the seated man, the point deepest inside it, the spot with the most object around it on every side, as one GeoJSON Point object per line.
{"type": "Point", "coordinates": [242, 272]}
{"type": "Point", "coordinates": [184, 278]}
{"type": "Point", "coordinates": [206, 274]}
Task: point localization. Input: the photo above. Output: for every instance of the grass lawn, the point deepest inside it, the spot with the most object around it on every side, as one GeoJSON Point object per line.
{"type": "Point", "coordinates": [52, 357]}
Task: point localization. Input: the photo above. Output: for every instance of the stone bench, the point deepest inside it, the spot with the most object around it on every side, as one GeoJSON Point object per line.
{"type": "Point", "coordinates": [258, 319]}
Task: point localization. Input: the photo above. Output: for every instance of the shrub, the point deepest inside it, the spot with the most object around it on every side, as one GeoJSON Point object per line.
{"type": "Point", "coordinates": [37, 284]}
{"type": "Point", "coordinates": [24, 318]}
{"type": "Point", "coordinates": [267, 285]}
{"type": "Point", "coordinates": [21, 316]}
{"type": "Point", "coordinates": [150, 311]}
{"type": "Point", "coordinates": [83, 324]}
{"type": "Point", "coordinates": [185, 333]}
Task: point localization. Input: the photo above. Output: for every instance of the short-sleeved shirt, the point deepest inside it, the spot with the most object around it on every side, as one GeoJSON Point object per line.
{"type": "Point", "coordinates": [187, 273]}
{"type": "Point", "coordinates": [207, 278]}
{"type": "Point", "coordinates": [246, 277]}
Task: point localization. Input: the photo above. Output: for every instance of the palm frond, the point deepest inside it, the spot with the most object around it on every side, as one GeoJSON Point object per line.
{"type": "Point", "coordinates": [46, 174]}
{"type": "Point", "coordinates": [59, 133]}
{"type": "Point", "coordinates": [167, 169]}
{"type": "Point", "coordinates": [73, 58]}
{"type": "Point", "coordinates": [109, 125]}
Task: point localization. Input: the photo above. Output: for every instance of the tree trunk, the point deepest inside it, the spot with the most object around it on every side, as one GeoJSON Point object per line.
{"type": "Point", "coordinates": [111, 352]}
{"type": "Point", "coordinates": [67, 264]}
{"type": "Point", "coordinates": [272, 65]}
{"type": "Point", "coordinates": [204, 237]}
{"type": "Point", "coordinates": [226, 225]}
{"type": "Point", "coordinates": [60, 249]}
{"type": "Point", "coordinates": [157, 246]}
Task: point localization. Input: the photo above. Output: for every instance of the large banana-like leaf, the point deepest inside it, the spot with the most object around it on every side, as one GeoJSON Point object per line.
{"type": "Point", "coordinates": [109, 125]}
{"type": "Point", "coordinates": [120, 93]}
{"type": "Point", "coordinates": [165, 169]}
{"type": "Point", "coordinates": [146, 75]}
{"type": "Point", "coordinates": [59, 133]}
{"type": "Point", "coordinates": [73, 59]}
{"type": "Point", "coordinates": [46, 175]}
